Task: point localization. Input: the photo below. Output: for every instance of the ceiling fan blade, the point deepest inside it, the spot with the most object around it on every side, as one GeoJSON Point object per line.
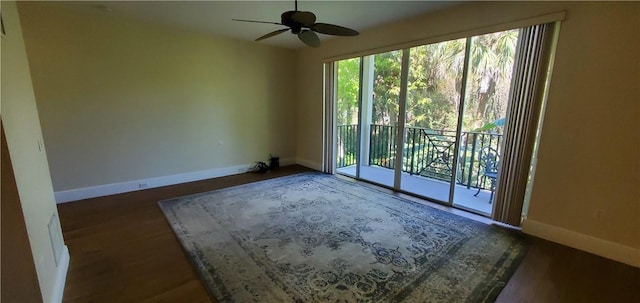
{"type": "Point", "coordinates": [309, 38]}
{"type": "Point", "coordinates": [331, 29]}
{"type": "Point", "coordinates": [304, 18]}
{"type": "Point", "coordinates": [253, 21]}
{"type": "Point", "coordinates": [273, 33]}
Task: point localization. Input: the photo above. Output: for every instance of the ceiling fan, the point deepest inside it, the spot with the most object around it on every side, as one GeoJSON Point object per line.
{"type": "Point", "coordinates": [304, 25]}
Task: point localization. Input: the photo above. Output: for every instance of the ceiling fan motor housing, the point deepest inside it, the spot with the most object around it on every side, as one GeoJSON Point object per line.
{"type": "Point", "coordinates": [288, 21]}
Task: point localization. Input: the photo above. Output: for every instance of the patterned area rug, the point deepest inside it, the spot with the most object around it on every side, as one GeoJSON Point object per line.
{"type": "Point", "coordinates": [317, 238]}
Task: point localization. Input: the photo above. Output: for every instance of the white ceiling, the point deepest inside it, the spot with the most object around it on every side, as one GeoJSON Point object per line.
{"type": "Point", "coordinates": [215, 16]}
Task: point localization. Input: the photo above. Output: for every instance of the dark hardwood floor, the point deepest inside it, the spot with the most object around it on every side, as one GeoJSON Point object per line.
{"type": "Point", "coordinates": [123, 250]}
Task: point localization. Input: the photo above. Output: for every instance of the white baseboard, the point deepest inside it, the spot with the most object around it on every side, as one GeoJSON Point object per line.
{"type": "Point", "coordinates": [597, 246]}
{"type": "Point", "coordinates": [142, 184]}
{"type": "Point", "coordinates": [61, 276]}
{"type": "Point", "coordinates": [309, 164]}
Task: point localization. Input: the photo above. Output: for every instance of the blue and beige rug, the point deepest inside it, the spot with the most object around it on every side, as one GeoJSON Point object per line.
{"type": "Point", "coordinates": [317, 238]}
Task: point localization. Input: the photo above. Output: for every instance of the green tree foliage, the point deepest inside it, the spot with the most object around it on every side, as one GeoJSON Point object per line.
{"type": "Point", "coordinates": [434, 83]}
{"type": "Point", "coordinates": [435, 75]}
{"type": "Point", "coordinates": [347, 91]}
{"type": "Point", "coordinates": [492, 58]}
{"type": "Point", "coordinates": [386, 87]}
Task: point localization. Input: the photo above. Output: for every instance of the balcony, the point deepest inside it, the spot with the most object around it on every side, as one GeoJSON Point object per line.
{"type": "Point", "coordinates": [427, 162]}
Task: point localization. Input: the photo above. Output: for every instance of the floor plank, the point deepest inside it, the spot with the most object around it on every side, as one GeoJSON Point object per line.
{"type": "Point", "coordinates": [123, 250]}
{"type": "Point", "coordinates": [552, 272]}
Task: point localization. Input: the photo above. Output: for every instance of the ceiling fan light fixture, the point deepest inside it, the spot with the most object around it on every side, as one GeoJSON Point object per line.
{"type": "Point", "coordinates": [309, 38]}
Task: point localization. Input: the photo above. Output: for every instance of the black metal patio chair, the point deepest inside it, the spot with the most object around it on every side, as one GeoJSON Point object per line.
{"type": "Point", "coordinates": [488, 159]}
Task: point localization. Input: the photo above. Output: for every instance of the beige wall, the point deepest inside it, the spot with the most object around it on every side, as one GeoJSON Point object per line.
{"type": "Point", "coordinates": [588, 171]}
{"type": "Point", "coordinates": [122, 100]}
{"type": "Point", "coordinates": [588, 175]}
{"type": "Point", "coordinates": [22, 128]}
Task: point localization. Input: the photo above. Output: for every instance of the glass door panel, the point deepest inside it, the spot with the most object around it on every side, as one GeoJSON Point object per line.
{"type": "Point", "coordinates": [437, 119]}
{"type": "Point", "coordinates": [433, 100]}
{"type": "Point", "coordinates": [485, 110]}
{"type": "Point", "coordinates": [347, 92]}
{"type": "Point", "coordinates": [380, 106]}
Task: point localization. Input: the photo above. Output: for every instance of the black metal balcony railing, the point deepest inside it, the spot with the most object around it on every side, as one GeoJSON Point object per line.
{"type": "Point", "coordinates": [426, 152]}
{"type": "Point", "coordinates": [347, 145]}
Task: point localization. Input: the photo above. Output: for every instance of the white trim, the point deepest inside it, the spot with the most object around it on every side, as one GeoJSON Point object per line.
{"type": "Point", "coordinates": [310, 164]}
{"type": "Point", "coordinates": [142, 184]}
{"type": "Point", "coordinates": [61, 276]}
{"type": "Point", "coordinates": [597, 246]}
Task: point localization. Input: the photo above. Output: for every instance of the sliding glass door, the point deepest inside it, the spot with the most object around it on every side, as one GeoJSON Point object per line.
{"type": "Point", "coordinates": [427, 120]}
{"type": "Point", "coordinates": [380, 107]}
{"type": "Point", "coordinates": [433, 101]}
{"type": "Point", "coordinates": [485, 111]}
{"type": "Point", "coordinates": [347, 113]}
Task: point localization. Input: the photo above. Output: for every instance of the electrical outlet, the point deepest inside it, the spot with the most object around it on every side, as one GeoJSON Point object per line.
{"type": "Point", "coordinates": [143, 185]}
